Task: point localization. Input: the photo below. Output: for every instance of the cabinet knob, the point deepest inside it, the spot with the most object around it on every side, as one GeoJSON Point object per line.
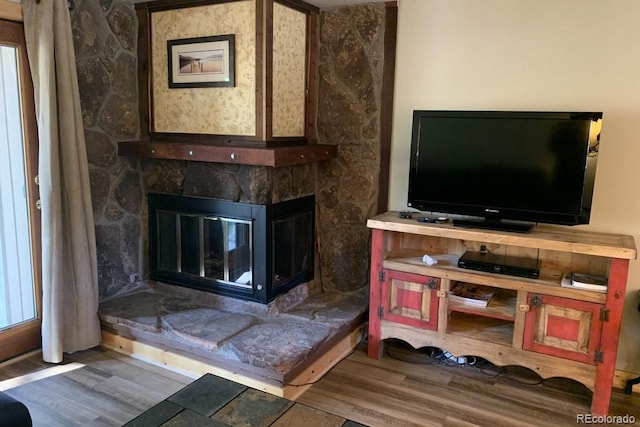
{"type": "Point", "coordinates": [536, 301]}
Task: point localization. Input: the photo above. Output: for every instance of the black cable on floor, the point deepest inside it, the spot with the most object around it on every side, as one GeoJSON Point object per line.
{"type": "Point", "coordinates": [433, 355]}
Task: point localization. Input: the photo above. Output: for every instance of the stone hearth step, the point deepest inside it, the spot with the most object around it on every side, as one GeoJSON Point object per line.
{"type": "Point", "coordinates": [270, 343]}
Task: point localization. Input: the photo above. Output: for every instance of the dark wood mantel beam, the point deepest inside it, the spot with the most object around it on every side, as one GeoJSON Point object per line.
{"type": "Point", "coordinates": [273, 156]}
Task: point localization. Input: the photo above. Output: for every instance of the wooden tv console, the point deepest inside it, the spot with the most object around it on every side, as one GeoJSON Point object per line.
{"type": "Point", "coordinates": [553, 330]}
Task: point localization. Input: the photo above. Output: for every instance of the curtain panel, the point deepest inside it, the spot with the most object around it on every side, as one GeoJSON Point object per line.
{"type": "Point", "coordinates": [69, 268]}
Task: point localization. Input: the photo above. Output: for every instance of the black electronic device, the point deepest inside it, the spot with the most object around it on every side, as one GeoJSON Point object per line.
{"type": "Point", "coordinates": [433, 219]}
{"type": "Point", "coordinates": [502, 264]}
{"type": "Point", "coordinates": [509, 168]}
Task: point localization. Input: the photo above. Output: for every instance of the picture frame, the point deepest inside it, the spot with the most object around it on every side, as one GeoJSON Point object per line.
{"type": "Point", "coordinates": [201, 61]}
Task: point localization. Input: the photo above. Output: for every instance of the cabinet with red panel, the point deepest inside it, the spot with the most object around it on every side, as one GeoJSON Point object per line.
{"type": "Point", "coordinates": [409, 299]}
{"type": "Point", "coordinates": [563, 327]}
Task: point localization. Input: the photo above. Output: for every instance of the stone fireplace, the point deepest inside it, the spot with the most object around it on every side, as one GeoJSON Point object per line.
{"type": "Point", "coordinates": [350, 109]}
{"type": "Point", "coordinates": [248, 251]}
{"type": "Point", "coordinates": [274, 342]}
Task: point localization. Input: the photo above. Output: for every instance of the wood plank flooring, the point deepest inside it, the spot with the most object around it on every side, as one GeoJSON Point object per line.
{"type": "Point", "coordinates": [404, 388]}
{"type": "Point", "coordinates": [109, 390]}
{"type": "Point", "coordinates": [408, 388]}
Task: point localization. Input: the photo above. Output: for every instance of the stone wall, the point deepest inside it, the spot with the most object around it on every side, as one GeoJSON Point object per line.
{"type": "Point", "coordinates": [350, 83]}
{"type": "Point", "coordinates": [105, 36]}
{"type": "Point", "coordinates": [350, 70]}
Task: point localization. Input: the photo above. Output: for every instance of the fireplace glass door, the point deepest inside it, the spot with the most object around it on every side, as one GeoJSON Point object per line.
{"type": "Point", "coordinates": [242, 250]}
{"type": "Point", "coordinates": [227, 249]}
{"type": "Point", "coordinates": [292, 247]}
{"type": "Point", "coordinates": [203, 246]}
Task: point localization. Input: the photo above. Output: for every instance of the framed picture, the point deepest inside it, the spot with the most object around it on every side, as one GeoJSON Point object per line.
{"type": "Point", "coordinates": [201, 61]}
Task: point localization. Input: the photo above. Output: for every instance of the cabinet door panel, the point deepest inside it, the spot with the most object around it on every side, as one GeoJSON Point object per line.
{"type": "Point", "coordinates": [563, 327]}
{"type": "Point", "coordinates": [410, 299]}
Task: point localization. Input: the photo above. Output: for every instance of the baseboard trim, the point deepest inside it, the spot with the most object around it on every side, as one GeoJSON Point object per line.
{"type": "Point", "coordinates": [19, 358]}
{"type": "Point", "coordinates": [620, 380]}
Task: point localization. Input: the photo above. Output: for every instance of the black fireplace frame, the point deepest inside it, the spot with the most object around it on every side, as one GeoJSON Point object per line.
{"type": "Point", "coordinates": [261, 216]}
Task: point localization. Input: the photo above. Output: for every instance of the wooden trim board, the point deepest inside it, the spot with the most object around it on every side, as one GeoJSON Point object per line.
{"type": "Point", "coordinates": [620, 378]}
{"type": "Point", "coordinates": [10, 11]}
{"type": "Point", "coordinates": [278, 156]}
{"type": "Point", "coordinates": [197, 368]}
{"type": "Point", "coordinates": [545, 237]}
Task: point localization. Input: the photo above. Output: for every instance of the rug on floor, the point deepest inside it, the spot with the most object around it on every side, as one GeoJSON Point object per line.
{"type": "Point", "coordinates": [218, 402]}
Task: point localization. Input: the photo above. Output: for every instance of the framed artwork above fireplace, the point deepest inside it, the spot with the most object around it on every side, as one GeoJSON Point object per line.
{"type": "Point", "coordinates": [201, 61]}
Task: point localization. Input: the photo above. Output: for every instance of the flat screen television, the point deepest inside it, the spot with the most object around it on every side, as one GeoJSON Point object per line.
{"type": "Point", "coordinates": [508, 169]}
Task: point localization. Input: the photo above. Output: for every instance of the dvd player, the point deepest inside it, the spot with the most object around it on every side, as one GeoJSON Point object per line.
{"type": "Point", "coordinates": [502, 264]}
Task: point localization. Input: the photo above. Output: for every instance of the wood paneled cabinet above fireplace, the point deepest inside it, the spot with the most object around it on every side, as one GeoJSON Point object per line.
{"type": "Point", "coordinates": [552, 329]}
{"type": "Point", "coordinates": [271, 104]}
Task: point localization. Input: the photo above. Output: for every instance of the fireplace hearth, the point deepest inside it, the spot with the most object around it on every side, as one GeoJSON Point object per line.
{"type": "Point", "coordinates": [247, 251]}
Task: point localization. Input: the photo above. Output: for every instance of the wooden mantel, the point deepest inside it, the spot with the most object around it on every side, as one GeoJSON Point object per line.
{"type": "Point", "coordinates": [273, 156]}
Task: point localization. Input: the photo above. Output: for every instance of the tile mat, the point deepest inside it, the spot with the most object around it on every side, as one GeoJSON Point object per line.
{"type": "Point", "coordinates": [217, 402]}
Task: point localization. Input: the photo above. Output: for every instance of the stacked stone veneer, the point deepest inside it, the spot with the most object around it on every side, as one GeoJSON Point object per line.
{"type": "Point", "coordinates": [105, 37]}
{"type": "Point", "coordinates": [350, 84]}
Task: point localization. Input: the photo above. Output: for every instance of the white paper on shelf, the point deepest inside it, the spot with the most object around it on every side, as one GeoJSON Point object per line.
{"type": "Point", "coordinates": [428, 260]}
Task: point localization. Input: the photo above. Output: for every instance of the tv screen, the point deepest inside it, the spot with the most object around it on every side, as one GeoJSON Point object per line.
{"type": "Point", "coordinates": [504, 165]}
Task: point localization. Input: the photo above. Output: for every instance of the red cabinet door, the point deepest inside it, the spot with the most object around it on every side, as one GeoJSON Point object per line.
{"type": "Point", "coordinates": [410, 299]}
{"type": "Point", "coordinates": [563, 327]}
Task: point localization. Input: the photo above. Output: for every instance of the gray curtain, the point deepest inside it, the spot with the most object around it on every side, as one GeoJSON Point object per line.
{"type": "Point", "coordinates": [69, 272]}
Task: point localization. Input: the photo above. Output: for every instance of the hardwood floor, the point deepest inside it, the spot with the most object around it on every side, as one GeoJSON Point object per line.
{"type": "Point", "coordinates": [408, 388]}
{"type": "Point", "coordinates": [109, 390]}
{"type": "Point", "coordinates": [404, 388]}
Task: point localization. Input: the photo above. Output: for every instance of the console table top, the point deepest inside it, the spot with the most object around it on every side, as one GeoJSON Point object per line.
{"type": "Point", "coordinates": [549, 237]}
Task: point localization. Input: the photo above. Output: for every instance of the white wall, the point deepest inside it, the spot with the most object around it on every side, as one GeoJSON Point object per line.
{"type": "Point", "coordinates": [568, 55]}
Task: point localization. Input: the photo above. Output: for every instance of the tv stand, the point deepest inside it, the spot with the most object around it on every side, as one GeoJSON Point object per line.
{"type": "Point", "coordinates": [494, 224]}
{"type": "Point", "coordinates": [555, 331]}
